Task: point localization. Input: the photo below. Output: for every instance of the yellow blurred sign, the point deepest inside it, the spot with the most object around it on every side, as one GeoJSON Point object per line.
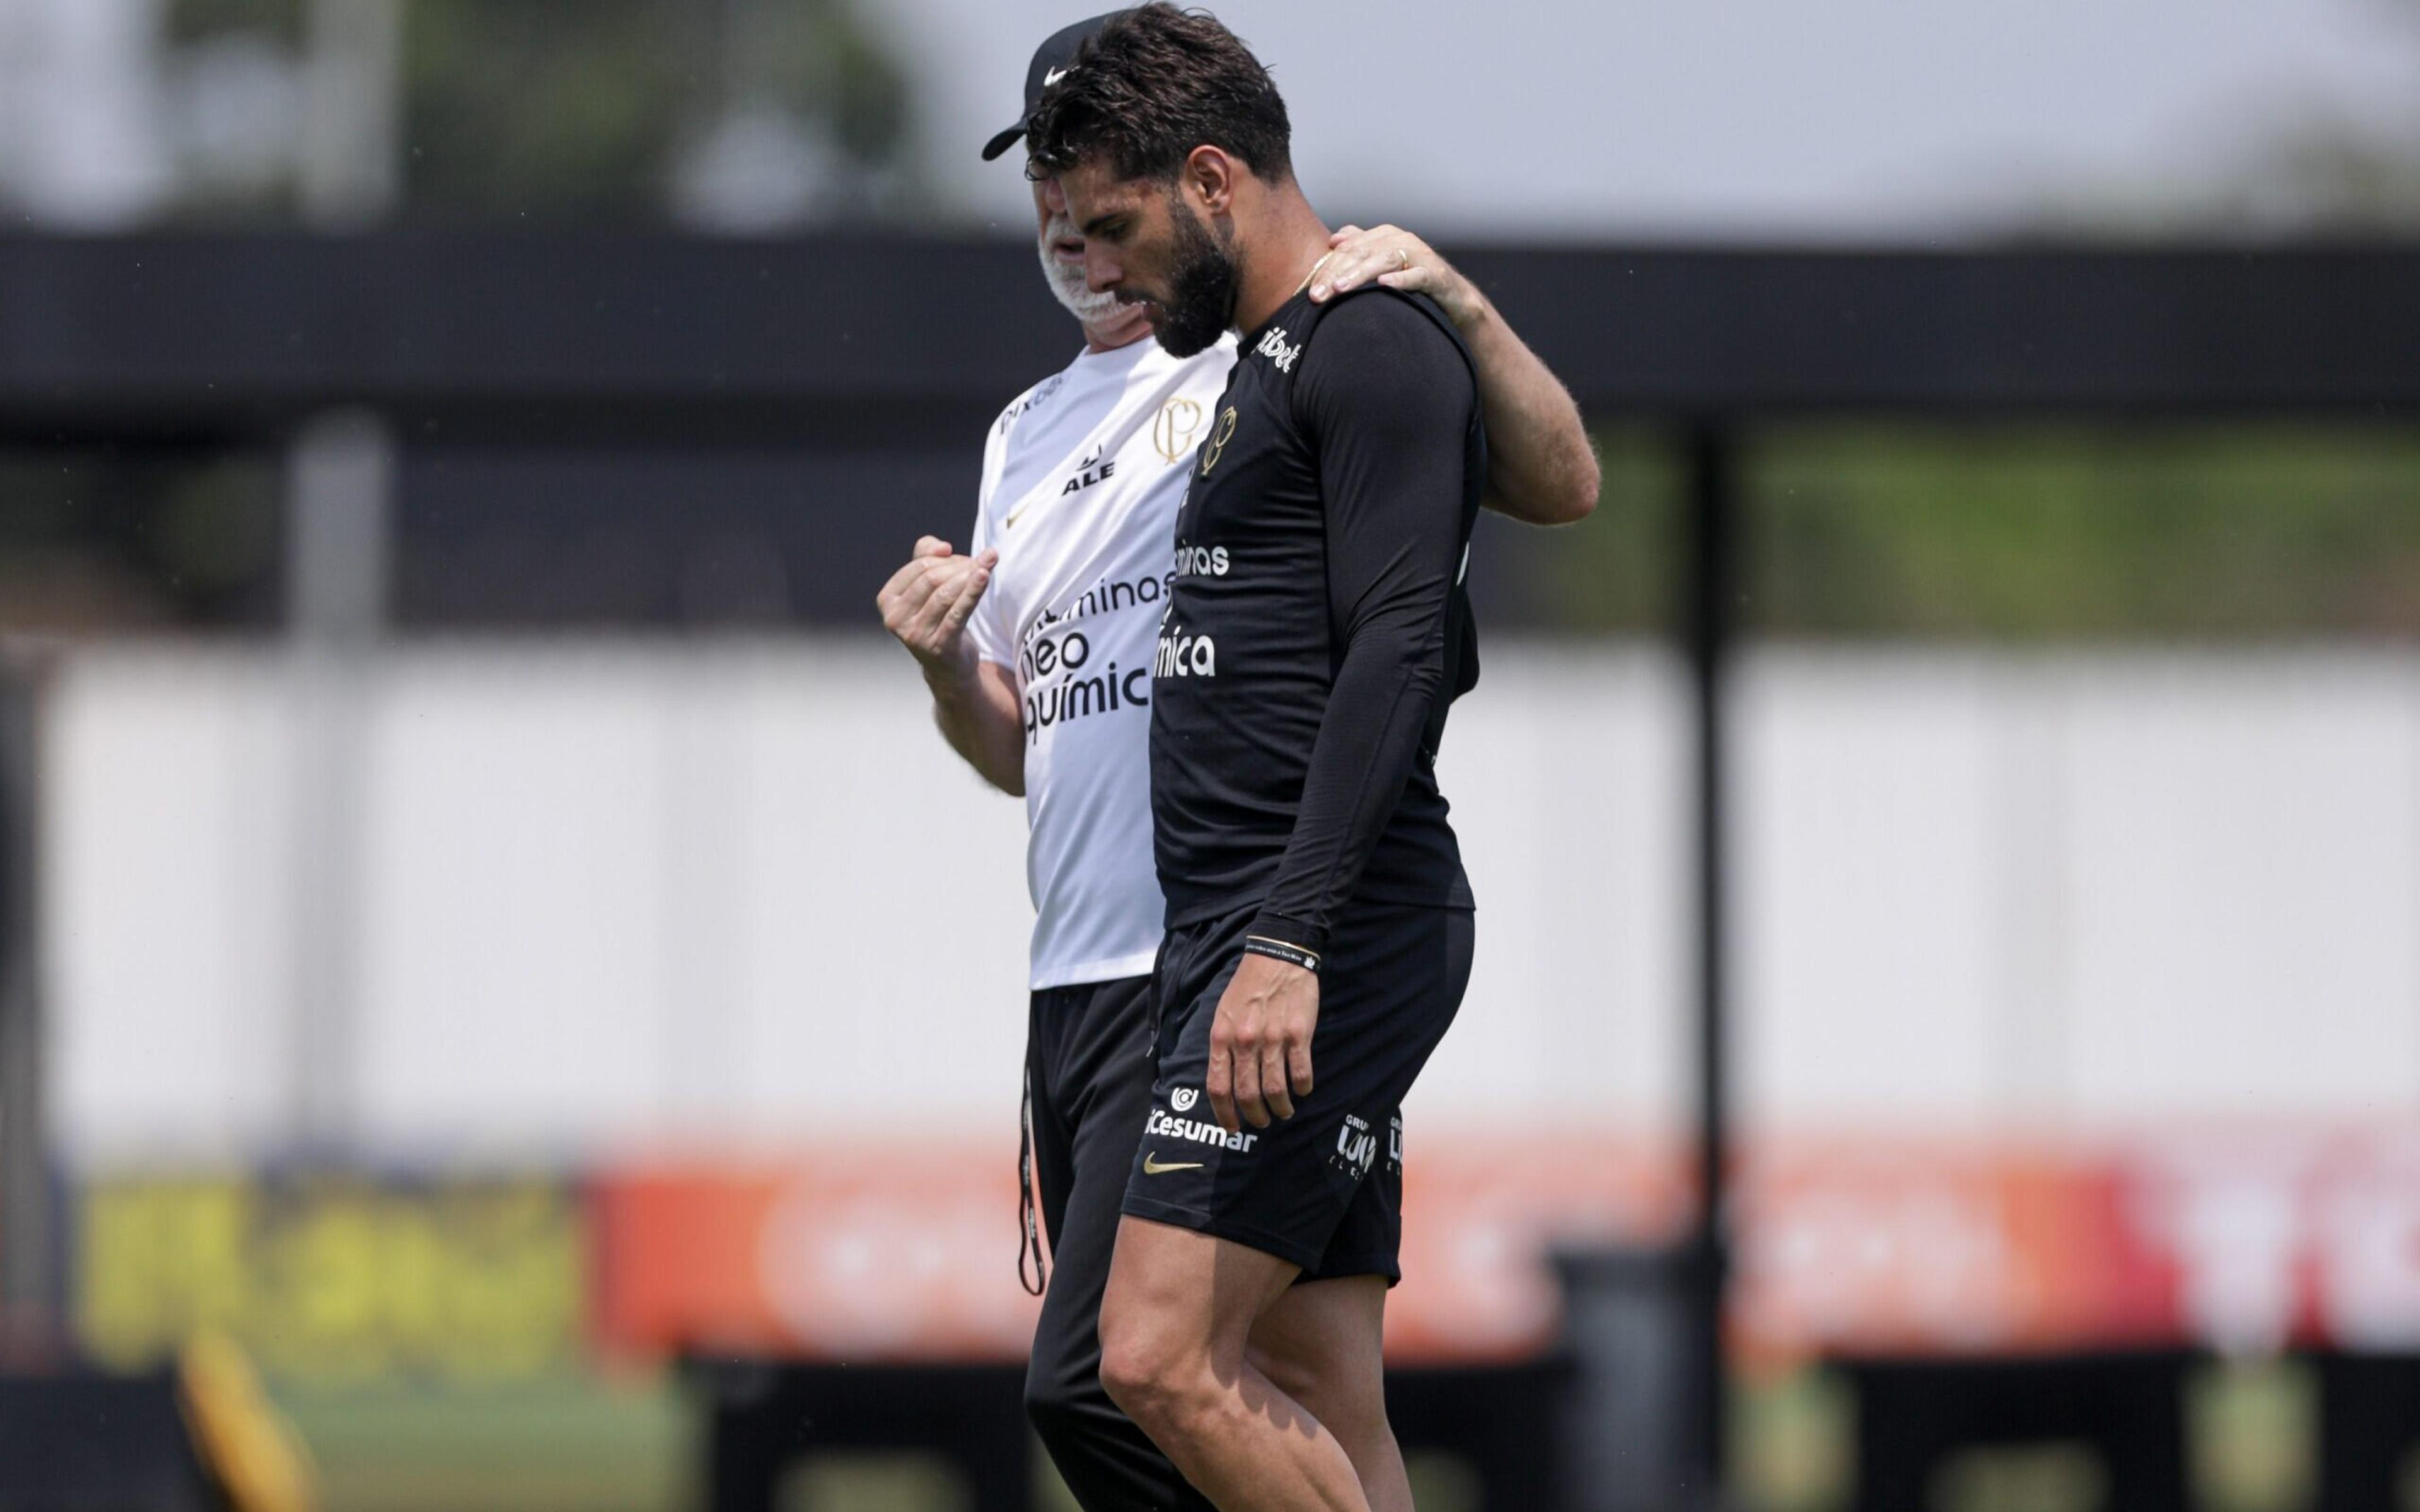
{"type": "Point", "coordinates": [337, 1278]}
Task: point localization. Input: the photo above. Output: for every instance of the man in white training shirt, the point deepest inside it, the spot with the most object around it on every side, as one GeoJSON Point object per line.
{"type": "Point", "coordinates": [1037, 644]}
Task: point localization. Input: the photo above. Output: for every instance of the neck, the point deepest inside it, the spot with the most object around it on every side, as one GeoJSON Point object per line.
{"type": "Point", "coordinates": [1123, 329]}
{"type": "Point", "coordinates": [1287, 241]}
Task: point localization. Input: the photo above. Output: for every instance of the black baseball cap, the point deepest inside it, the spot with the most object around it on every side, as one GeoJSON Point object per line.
{"type": "Point", "coordinates": [1050, 63]}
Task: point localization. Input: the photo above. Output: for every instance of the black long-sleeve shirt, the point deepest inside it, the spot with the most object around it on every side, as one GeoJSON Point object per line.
{"type": "Point", "coordinates": [1316, 628]}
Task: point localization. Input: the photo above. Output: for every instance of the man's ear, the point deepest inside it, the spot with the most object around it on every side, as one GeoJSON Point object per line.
{"type": "Point", "coordinates": [1211, 175]}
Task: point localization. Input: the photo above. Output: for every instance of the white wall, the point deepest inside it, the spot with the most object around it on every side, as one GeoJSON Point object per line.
{"type": "Point", "coordinates": [636, 895]}
{"type": "Point", "coordinates": [2109, 887]}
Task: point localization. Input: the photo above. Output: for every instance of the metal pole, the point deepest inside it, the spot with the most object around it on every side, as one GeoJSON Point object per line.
{"type": "Point", "coordinates": [339, 485]}
{"type": "Point", "coordinates": [28, 1290]}
{"type": "Point", "coordinates": [1710, 625]}
{"type": "Point", "coordinates": [351, 167]}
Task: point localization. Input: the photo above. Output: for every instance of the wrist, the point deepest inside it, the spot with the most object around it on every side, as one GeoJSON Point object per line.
{"type": "Point", "coordinates": [952, 679]}
{"type": "Point", "coordinates": [1293, 955]}
{"type": "Point", "coordinates": [1472, 313]}
{"type": "Point", "coordinates": [1295, 941]}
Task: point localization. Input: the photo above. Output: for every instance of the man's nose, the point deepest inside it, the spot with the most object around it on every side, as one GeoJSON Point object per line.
{"type": "Point", "coordinates": [1053, 197]}
{"type": "Point", "coordinates": [1102, 271]}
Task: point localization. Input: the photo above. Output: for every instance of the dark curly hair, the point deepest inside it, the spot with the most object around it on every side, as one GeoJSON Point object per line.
{"type": "Point", "coordinates": [1149, 87]}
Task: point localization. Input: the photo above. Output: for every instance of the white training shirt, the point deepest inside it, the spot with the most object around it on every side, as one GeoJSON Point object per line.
{"type": "Point", "coordinates": [1082, 480]}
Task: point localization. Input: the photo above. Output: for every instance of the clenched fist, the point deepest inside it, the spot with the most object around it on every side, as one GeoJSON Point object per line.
{"type": "Point", "coordinates": [926, 603]}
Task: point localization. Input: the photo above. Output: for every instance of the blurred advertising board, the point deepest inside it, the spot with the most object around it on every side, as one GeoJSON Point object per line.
{"type": "Point", "coordinates": [889, 1253]}
{"type": "Point", "coordinates": [2246, 1240]}
{"type": "Point", "coordinates": [2243, 1241]}
{"type": "Point", "coordinates": [337, 1278]}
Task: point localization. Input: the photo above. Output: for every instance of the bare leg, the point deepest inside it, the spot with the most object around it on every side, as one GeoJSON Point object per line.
{"type": "Point", "coordinates": [1321, 1344]}
{"type": "Point", "coordinates": [1173, 1324]}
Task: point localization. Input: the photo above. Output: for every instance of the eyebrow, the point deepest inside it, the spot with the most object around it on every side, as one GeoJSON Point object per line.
{"type": "Point", "coordinates": [1093, 226]}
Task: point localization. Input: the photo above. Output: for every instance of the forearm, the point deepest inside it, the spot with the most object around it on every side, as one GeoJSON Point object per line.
{"type": "Point", "coordinates": [1392, 404]}
{"type": "Point", "coordinates": [1377, 709]}
{"type": "Point", "coordinates": [978, 715]}
{"type": "Point", "coordinates": [1540, 467]}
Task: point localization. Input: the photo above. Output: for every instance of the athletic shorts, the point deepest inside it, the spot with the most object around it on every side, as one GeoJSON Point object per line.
{"type": "Point", "coordinates": [1325, 1188]}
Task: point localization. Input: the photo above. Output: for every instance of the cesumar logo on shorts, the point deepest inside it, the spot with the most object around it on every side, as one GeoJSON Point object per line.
{"type": "Point", "coordinates": [1200, 1132]}
{"type": "Point", "coordinates": [1183, 1099]}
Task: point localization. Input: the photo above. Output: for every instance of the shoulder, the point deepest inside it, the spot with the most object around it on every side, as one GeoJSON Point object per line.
{"type": "Point", "coordinates": [1000, 439]}
{"type": "Point", "coordinates": [1376, 317]}
{"type": "Point", "coordinates": [1380, 338]}
{"type": "Point", "coordinates": [1031, 400]}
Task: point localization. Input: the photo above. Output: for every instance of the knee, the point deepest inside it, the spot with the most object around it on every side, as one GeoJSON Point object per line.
{"type": "Point", "coordinates": [1136, 1370]}
{"type": "Point", "coordinates": [1358, 1423]}
{"type": "Point", "coordinates": [1152, 1379]}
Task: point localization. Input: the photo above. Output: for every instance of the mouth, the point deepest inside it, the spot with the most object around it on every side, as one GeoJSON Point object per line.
{"type": "Point", "coordinates": [1067, 250]}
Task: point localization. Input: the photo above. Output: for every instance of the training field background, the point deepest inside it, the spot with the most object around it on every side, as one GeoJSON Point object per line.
{"type": "Point", "coordinates": [575, 948]}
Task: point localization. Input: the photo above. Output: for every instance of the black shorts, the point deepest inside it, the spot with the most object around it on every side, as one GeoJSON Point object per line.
{"type": "Point", "coordinates": [1088, 1067]}
{"type": "Point", "coordinates": [1325, 1188]}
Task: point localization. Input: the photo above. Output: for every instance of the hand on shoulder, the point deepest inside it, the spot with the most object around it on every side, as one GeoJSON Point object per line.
{"type": "Point", "coordinates": [1394, 259]}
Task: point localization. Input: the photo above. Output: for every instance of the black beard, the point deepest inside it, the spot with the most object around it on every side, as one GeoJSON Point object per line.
{"type": "Point", "coordinates": [1201, 303]}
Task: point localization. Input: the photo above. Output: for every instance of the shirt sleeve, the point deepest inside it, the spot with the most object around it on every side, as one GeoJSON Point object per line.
{"type": "Point", "coordinates": [1386, 399]}
{"type": "Point", "coordinates": [990, 626]}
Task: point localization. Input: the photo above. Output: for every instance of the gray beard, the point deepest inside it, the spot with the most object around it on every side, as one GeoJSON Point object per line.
{"type": "Point", "coordinates": [1067, 285]}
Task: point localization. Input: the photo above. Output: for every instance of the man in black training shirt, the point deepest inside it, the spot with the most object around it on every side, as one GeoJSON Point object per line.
{"type": "Point", "coordinates": [1319, 924]}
